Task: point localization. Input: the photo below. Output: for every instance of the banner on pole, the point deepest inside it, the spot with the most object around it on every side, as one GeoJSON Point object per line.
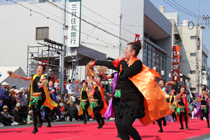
{"type": "Point", "coordinates": [176, 64]}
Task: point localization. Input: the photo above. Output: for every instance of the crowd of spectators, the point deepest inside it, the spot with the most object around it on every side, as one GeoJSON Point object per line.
{"type": "Point", "coordinates": [15, 110]}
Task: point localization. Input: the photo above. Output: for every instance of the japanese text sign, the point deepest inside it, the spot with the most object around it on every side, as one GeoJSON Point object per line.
{"type": "Point", "coordinates": [176, 63]}
{"type": "Point", "coordinates": [74, 23]}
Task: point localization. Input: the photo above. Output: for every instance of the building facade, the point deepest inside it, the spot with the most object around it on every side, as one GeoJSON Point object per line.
{"type": "Point", "coordinates": [113, 25]}
{"type": "Point", "coordinates": [184, 35]}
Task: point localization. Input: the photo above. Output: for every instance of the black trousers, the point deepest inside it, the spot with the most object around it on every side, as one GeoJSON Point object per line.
{"type": "Point", "coordinates": [125, 128]}
{"type": "Point", "coordinates": [206, 115]}
{"type": "Point", "coordinates": [174, 116]}
{"type": "Point", "coordinates": [185, 118]}
{"type": "Point", "coordinates": [115, 109]}
{"type": "Point", "coordinates": [85, 112]}
{"type": "Point", "coordinates": [98, 116]}
{"type": "Point", "coordinates": [37, 112]}
{"type": "Point", "coordinates": [159, 121]}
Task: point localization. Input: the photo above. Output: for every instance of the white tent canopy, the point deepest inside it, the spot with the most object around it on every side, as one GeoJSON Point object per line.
{"type": "Point", "coordinates": [14, 81]}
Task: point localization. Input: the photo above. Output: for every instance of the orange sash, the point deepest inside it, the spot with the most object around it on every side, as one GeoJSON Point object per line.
{"type": "Point", "coordinates": [102, 96]}
{"type": "Point", "coordinates": [155, 104]}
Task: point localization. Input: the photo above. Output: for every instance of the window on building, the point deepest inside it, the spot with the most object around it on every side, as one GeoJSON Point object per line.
{"type": "Point", "coordinates": [192, 71]}
{"type": "Point", "coordinates": [145, 35]}
{"type": "Point", "coordinates": [192, 54]}
{"type": "Point", "coordinates": [192, 37]}
{"type": "Point", "coordinates": [204, 58]}
{"type": "Point", "coordinates": [192, 89]}
{"type": "Point", "coordinates": [42, 33]}
{"type": "Point", "coordinates": [152, 57]}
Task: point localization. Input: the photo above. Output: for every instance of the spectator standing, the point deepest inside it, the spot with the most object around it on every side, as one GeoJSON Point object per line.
{"type": "Point", "coordinates": [68, 86]}
{"type": "Point", "coordinates": [79, 87]}
{"type": "Point", "coordinates": [12, 100]}
{"type": "Point", "coordinates": [58, 97]}
{"type": "Point", "coordinates": [68, 100]}
{"type": "Point", "coordinates": [72, 97]}
{"type": "Point", "coordinates": [1, 97]}
{"type": "Point", "coordinates": [17, 96]}
{"type": "Point", "coordinates": [5, 87]}
{"type": "Point", "coordinates": [23, 101]}
{"type": "Point", "coordinates": [65, 82]}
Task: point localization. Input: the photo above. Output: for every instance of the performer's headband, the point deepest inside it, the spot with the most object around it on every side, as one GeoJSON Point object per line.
{"type": "Point", "coordinates": [135, 40]}
{"type": "Point", "coordinates": [43, 62]}
{"type": "Point", "coordinates": [53, 77]}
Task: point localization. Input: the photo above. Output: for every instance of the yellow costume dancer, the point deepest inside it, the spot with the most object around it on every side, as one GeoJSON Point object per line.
{"type": "Point", "coordinates": [36, 96]}
{"type": "Point", "coordinates": [84, 107]}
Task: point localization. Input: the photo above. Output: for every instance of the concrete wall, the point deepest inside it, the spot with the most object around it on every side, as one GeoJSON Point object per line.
{"type": "Point", "coordinates": [188, 46]}
{"type": "Point", "coordinates": [99, 14]}
{"type": "Point", "coordinates": [18, 30]}
{"type": "Point", "coordinates": [132, 14]}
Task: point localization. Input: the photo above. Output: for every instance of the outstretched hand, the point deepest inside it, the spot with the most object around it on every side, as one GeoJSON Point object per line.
{"type": "Point", "coordinates": [92, 63]}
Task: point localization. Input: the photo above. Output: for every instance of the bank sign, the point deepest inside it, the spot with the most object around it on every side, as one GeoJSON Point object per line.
{"type": "Point", "coordinates": [176, 63]}
{"type": "Point", "coordinates": [74, 23]}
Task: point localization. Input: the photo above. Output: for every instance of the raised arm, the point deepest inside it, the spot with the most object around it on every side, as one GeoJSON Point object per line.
{"type": "Point", "coordinates": [77, 89]}
{"type": "Point", "coordinates": [13, 75]}
{"type": "Point", "coordinates": [26, 78]}
{"type": "Point", "coordinates": [107, 64]}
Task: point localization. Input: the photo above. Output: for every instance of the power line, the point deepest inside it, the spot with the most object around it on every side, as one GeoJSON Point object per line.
{"type": "Point", "coordinates": [178, 8]}
{"type": "Point", "coordinates": [185, 8]}
{"type": "Point", "coordinates": [105, 19]}
{"type": "Point", "coordinates": [81, 32]}
{"type": "Point", "coordinates": [68, 21]}
{"type": "Point", "coordinates": [58, 22]}
{"type": "Point", "coordinates": [88, 22]}
{"type": "Point", "coordinates": [36, 12]}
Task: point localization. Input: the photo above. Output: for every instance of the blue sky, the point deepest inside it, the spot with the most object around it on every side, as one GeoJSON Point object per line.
{"type": "Point", "coordinates": [190, 5]}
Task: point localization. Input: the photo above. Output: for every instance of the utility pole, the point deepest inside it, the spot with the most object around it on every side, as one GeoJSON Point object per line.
{"type": "Point", "coordinates": [120, 44]}
{"type": "Point", "coordinates": [197, 66]}
{"type": "Point", "coordinates": [61, 64]}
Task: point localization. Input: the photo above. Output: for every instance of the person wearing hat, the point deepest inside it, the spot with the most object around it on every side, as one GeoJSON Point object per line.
{"type": "Point", "coordinates": [23, 99]}
{"type": "Point", "coordinates": [23, 102]}
{"type": "Point", "coordinates": [16, 114]}
{"type": "Point", "coordinates": [5, 87]}
{"type": "Point", "coordinates": [73, 112]}
{"type": "Point", "coordinates": [12, 99]}
{"type": "Point", "coordinates": [29, 117]}
{"type": "Point", "coordinates": [1, 97]}
{"type": "Point", "coordinates": [18, 95]}
{"type": "Point", "coordinates": [72, 98]}
{"type": "Point", "coordinates": [7, 119]}
{"type": "Point", "coordinates": [203, 109]}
